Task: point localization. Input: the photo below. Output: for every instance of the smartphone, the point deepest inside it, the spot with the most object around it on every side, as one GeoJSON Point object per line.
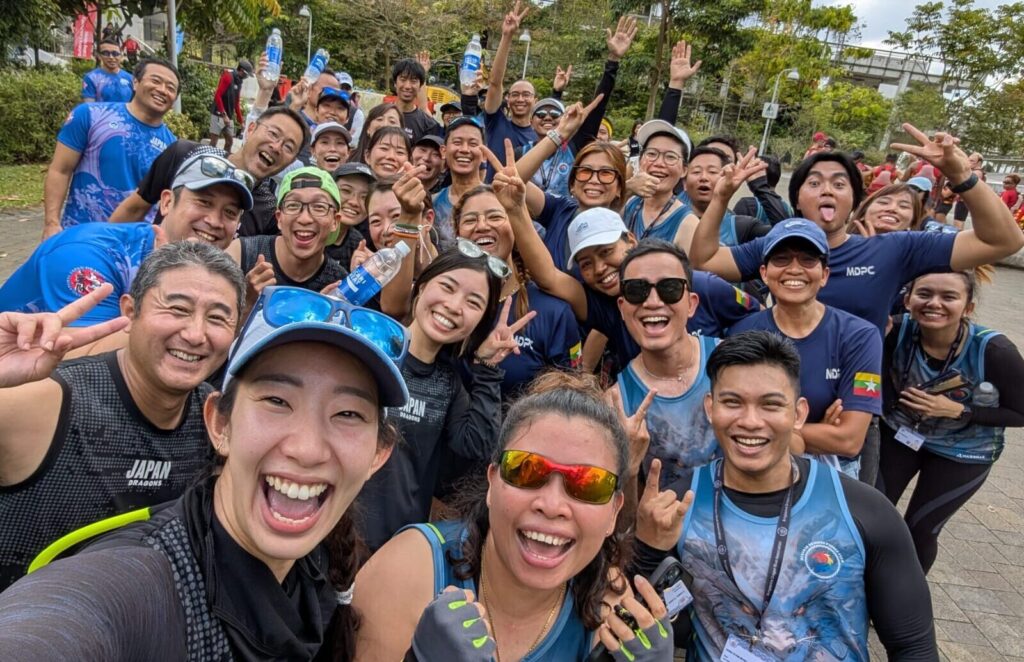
{"type": "Point", "coordinates": [944, 383]}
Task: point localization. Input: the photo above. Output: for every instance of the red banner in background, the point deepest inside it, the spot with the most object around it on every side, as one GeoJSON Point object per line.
{"type": "Point", "coordinates": [85, 33]}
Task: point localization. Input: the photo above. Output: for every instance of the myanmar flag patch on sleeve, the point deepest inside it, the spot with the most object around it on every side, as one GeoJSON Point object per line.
{"type": "Point", "coordinates": [745, 300]}
{"type": "Point", "coordinates": [867, 384]}
{"type": "Point", "coordinates": [576, 355]}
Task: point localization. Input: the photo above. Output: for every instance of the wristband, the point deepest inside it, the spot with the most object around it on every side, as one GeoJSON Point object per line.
{"type": "Point", "coordinates": [556, 138]}
{"type": "Point", "coordinates": [965, 185]}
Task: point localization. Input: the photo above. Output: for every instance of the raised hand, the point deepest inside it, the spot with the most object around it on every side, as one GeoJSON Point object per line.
{"type": "Point", "coordinates": [261, 275]}
{"type": "Point", "coordinates": [423, 57]}
{"type": "Point", "coordinates": [473, 88]}
{"type": "Point", "coordinates": [502, 341]}
{"type": "Point", "coordinates": [510, 25]}
{"type": "Point", "coordinates": [864, 228]}
{"type": "Point", "coordinates": [942, 151]}
{"type": "Point", "coordinates": [409, 189]}
{"type": "Point", "coordinates": [659, 516]}
{"type": "Point", "coordinates": [733, 176]}
{"type": "Point", "coordinates": [300, 94]}
{"type": "Point", "coordinates": [680, 68]}
{"type": "Point", "coordinates": [620, 40]}
{"type": "Point", "coordinates": [508, 185]}
{"type": "Point", "coordinates": [574, 116]}
{"type": "Point", "coordinates": [642, 184]}
{"type": "Point", "coordinates": [32, 344]}
{"type": "Point", "coordinates": [261, 66]}
{"type": "Point", "coordinates": [562, 78]}
{"type": "Point", "coordinates": [636, 427]}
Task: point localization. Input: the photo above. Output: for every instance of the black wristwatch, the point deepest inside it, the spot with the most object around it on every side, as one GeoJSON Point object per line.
{"type": "Point", "coordinates": [965, 185]}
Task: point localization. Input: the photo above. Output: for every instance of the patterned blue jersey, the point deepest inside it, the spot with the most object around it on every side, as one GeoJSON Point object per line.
{"type": "Point", "coordinates": [947, 437]}
{"type": "Point", "coordinates": [566, 641]}
{"type": "Point", "coordinates": [818, 611]}
{"type": "Point", "coordinates": [75, 262]}
{"type": "Point", "coordinates": [101, 85]}
{"type": "Point", "coordinates": [681, 436]}
{"type": "Point", "coordinates": [116, 153]}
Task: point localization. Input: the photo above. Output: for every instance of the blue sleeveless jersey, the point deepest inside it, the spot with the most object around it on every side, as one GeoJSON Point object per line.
{"type": "Point", "coordinates": [818, 610]}
{"type": "Point", "coordinates": [666, 228]}
{"type": "Point", "coordinates": [681, 436]}
{"type": "Point", "coordinates": [443, 214]}
{"type": "Point", "coordinates": [567, 639]}
{"type": "Point", "coordinates": [946, 437]}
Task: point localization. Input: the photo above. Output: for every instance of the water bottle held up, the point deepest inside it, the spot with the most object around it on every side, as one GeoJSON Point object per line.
{"type": "Point", "coordinates": [275, 53]}
{"type": "Point", "coordinates": [985, 395]}
{"type": "Point", "coordinates": [471, 61]}
{"type": "Point", "coordinates": [368, 279]}
{"type": "Point", "coordinates": [316, 65]}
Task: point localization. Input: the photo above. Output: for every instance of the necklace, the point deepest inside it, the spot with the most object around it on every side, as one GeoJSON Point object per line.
{"type": "Point", "coordinates": [678, 378]}
{"type": "Point", "coordinates": [490, 615]}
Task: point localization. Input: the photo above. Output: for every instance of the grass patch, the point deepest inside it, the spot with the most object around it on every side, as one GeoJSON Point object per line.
{"type": "Point", "coordinates": [21, 185]}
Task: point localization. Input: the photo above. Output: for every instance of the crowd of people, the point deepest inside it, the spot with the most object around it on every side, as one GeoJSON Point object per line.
{"type": "Point", "coordinates": [596, 362]}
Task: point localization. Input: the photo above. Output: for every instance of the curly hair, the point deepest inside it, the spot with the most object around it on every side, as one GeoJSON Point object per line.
{"type": "Point", "coordinates": [572, 395]}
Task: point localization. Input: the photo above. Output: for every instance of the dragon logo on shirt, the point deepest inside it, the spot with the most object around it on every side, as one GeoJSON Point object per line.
{"type": "Point", "coordinates": [83, 280]}
{"type": "Point", "coordinates": [822, 559]}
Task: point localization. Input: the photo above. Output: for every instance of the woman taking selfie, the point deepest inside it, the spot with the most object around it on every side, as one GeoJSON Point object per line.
{"type": "Point", "coordinates": [255, 561]}
{"type": "Point", "coordinates": [536, 543]}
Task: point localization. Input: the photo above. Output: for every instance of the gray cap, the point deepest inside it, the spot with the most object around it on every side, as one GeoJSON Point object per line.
{"type": "Point", "coordinates": [661, 127]}
{"type": "Point", "coordinates": [328, 127]}
{"type": "Point", "coordinates": [206, 170]}
{"type": "Point", "coordinates": [354, 168]}
{"type": "Point", "coordinates": [246, 66]}
{"type": "Point", "coordinates": [548, 103]}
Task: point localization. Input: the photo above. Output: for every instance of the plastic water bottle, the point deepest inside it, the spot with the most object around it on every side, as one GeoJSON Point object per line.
{"type": "Point", "coordinates": [471, 61]}
{"type": "Point", "coordinates": [363, 283]}
{"type": "Point", "coordinates": [316, 65]}
{"type": "Point", "coordinates": [275, 53]}
{"type": "Point", "coordinates": [986, 395]}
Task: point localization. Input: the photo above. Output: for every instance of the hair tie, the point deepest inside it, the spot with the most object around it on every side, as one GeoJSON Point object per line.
{"type": "Point", "coordinates": [345, 597]}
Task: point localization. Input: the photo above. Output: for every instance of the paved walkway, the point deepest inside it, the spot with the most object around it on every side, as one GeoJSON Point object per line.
{"type": "Point", "coordinates": [977, 582]}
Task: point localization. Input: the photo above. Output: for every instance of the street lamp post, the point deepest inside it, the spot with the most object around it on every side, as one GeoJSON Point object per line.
{"type": "Point", "coordinates": [527, 38]}
{"type": "Point", "coordinates": [306, 13]}
{"type": "Point", "coordinates": [791, 74]}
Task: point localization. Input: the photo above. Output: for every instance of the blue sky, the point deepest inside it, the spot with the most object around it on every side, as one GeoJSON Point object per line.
{"type": "Point", "coordinates": [877, 17]}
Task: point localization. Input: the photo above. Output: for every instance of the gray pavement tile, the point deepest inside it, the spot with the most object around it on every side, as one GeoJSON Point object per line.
{"type": "Point", "coordinates": [966, 653]}
{"type": "Point", "coordinates": [976, 599]}
{"type": "Point", "coordinates": [960, 633]}
{"type": "Point", "coordinates": [970, 532]}
{"type": "Point", "coordinates": [1003, 633]}
{"type": "Point", "coordinates": [948, 571]}
{"type": "Point", "coordinates": [944, 606]}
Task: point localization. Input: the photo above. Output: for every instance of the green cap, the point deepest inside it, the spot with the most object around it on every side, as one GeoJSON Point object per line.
{"type": "Point", "coordinates": [309, 177]}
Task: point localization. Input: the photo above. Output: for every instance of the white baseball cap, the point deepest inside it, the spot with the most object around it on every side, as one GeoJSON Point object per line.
{"type": "Point", "coordinates": [659, 127]}
{"type": "Point", "coordinates": [598, 226]}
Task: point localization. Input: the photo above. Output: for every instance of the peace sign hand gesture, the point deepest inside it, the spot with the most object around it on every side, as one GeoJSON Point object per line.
{"type": "Point", "coordinates": [733, 176]}
{"type": "Point", "coordinates": [659, 516]}
{"type": "Point", "coordinates": [574, 116]}
{"type": "Point", "coordinates": [508, 185]}
{"type": "Point", "coordinates": [32, 344]}
{"type": "Point", "coordinates": [942, 151]}
{"type": "Point", "coordinates": [562, 78]}
{"type": "Point", "coordinates": [512, 19]}
{"type": "Point", "coordinates": [502, 340]}
{"type": "Point", "coordinates": [635, 425]}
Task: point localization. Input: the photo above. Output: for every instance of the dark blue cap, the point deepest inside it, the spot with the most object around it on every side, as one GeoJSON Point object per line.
{"type": "Point", "coordinates": [795, 228]}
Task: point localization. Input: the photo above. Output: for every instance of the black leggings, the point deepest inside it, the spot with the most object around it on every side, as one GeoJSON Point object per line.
{"type": "Point", "coordinates": [943, 486]}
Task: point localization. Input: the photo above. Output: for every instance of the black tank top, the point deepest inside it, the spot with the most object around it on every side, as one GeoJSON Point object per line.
{"type": "Point", "coordinates": [252, 247]}
{"type": "Point", "coordinates": [106, 458]}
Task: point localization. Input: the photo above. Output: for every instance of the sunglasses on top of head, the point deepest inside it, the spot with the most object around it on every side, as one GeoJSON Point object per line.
{"type": "Point", "coordinates": [670, 290]}
{"type": "Point", "coordinates": [531, 471]}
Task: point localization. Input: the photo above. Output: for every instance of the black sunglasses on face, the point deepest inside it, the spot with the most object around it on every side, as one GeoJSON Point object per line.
{"type": "Point", "coordinates": [110, 54]}
{"type": "Point", "coordinates": [670, 290]}
{"type": "Point", "coordinates": [545, 114]}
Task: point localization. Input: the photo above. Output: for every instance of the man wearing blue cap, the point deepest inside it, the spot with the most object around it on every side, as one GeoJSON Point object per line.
{"type": "Point", "coordinates": [204, 203]}
{"type": "Point", "coordinates": [840, 353]}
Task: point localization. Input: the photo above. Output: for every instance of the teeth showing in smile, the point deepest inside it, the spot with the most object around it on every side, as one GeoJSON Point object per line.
{"type": "Point", "coordinates": [463, 159]}
{"type": "Point", "coordinates": [293, 490]}
{"type": "Point", "coordinates": [607, 280]}
{"type": "Point", "coordinates": [750, 442]}
{"type": "Point", "coordinates": [554, 541]}
{"type": "Point", "coordinates": [654, 320]}
{"type": "Point", "coordinates": [205, 236]}
{"type": "Point", "coordinates": [184, 356]}
{"type": "Point", "coordinates": [485, 241]}
{"type": "Point", "coordinates": [267, 159]}
{"type": "Point", "coordinates": [793, 283]}
{"type": "Point", "coordinates": [304, 236]}
{"type": "Point", "coordinates": [443, 321]}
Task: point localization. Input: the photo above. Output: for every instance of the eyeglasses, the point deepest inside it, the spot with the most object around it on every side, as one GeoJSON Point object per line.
{"type": "Point", "coordinates": [670, 158]}
{"type": "Point", "coordinates": [548, 114]}
{"type": "Point", "coordinates": [520, 95]}
{"type": "Point", "coordinates": [495, 264]}
{"type": "Point", "coordinates": [805, 260]}
{"type": "Point", "coordinates": [316, 209]}
{"type": "Point", "coordinates": [604, 175]}
{"type": "Point", "coordinates": [110, 53]}
{"type": "Point", "coordinates": [280, 306]}
{"type": "Point", "coordinates": [531, 471]}
{"type": "Point", "coordinates": [215, 166]}
{"type": "Point", "coordinates": [670, 290]}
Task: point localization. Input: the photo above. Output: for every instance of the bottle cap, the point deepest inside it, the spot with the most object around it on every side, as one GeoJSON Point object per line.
{"type": "Point", "coordinates": [403, 249]}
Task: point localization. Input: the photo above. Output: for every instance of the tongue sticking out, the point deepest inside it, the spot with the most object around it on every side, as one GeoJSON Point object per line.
{"type": "Point", "coordinates": [827, 213]}
{"type": "Point", "coordinates": [293, 509]}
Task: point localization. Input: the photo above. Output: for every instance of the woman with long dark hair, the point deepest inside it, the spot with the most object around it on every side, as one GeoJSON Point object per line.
{"type": "Point", "coordinates": [381, 115]}
{"type": "Point", "coordinates": [540, 552]}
